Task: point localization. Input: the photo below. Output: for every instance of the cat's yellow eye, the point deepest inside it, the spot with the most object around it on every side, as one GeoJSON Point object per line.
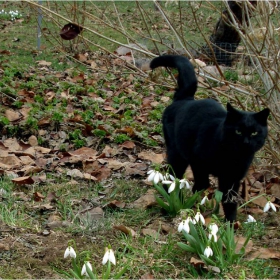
{"type": "Point", "coordinates": [238, 132]}
{"type": "Point", "coordinates": [254, 133]}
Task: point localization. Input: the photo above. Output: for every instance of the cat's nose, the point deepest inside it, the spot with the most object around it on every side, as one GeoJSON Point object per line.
{"type": "Point", "coordinates": [246, 140]}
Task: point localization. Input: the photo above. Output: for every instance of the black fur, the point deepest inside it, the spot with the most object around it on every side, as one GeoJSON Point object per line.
{"type": "Point", "coordinates": [202, 134]}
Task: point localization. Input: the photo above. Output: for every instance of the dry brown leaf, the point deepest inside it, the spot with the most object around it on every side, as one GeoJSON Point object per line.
{"type": "Point", "coordinates": [43, 63]}
{"type": "Point", "coordinates": [102, 173]}
{"type": "Point", "coordinates": [88, 176]}
{"type": "Point", "coordinates": [4, 247]}
{"type": "Point", "coordinates": [146, 102]}
{"type": "Point", "coordinates": [134, 168]}
{"type": "Point", "coordinates": [109, 151]}
{"type": "Point", "coordinates": [128, 145]}
{"type": "Point", "coordinates": [12, 144]}
{"type": "Point", "coordinates": [30, 170]}
{"type": "Point", "coordinates": [26, 160]}
{"type": "Point", "coordinates": [147, 276]}
{"type": "Point", "coordinates": [52, 197]}
{"type": "Point", "coordinates": [127, 129]}
{"type": "Point", "coordinates": [12, 116]}
{"type": "Point", "coordinates": [84, 153]}
{"type": "Point", "coordinates": [26, 180]}
{"type": "Point", "coordinates": [115, 204]}
{"type": "Point", "coordinates": [150, 232]}
{"type": "Point", "coordinates": [196, 262]}
{"type": "Point", "coordinates": [91, 214]}
{"type": "Point", "coordinates": [264, 253]}
{"type": "Point", "coordinates": [38, 196]}
{"type": "Point", "coordinates": [126, 230]}
{"type": "Point", "coordinates": [111, 163]}
{"type": "Point", "coordinates": [240, 240]}
{"type": "Point", "coordinates": [42, 150]}
{"type": "Point", "coordinates": [153, 157]}
{"type": "Point", "coordinates": [275, 190]}
{"type": "Point", "coordinates": [9, 162]}
{"type": "Point", "coordinates": [145, 201]}
{"type": "Point", "coordinates": [46, 206]}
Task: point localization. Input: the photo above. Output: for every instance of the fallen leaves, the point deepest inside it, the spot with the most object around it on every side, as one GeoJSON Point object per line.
{"type": "Point", "coordinates": [151, 156]}
{"type": "Point", "coordinates": [145, 201]}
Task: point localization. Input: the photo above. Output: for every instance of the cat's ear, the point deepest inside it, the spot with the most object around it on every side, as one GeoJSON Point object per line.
{"type": "Point", "coordinates": [231, 109]}
{"type": "Point", "coordinates": [233, 114]}
{"type": "Point", "coordinates": [261, 117]}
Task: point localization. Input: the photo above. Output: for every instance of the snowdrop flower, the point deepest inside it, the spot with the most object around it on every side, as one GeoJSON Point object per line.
{"type": "Point", "coordinates": [185, 184]}
{"type": "Point", "coordinates": [208, 252]}
{"type": "Point", "coordinates": [168, 176]}
{"type": "Point", "coordinates": [269, 205]}
{"type": "Point", "coordinates": [213, 232]}
{"type": "Point", "coordinates": [214, 236]}
{"type": "Point", "coordinates": [109, 255]}
{"type": "Point", "coordinates": [84, 269]}
{"type": "Point", "coordinates": [213, 228]}
{"type": "Point", "coordinates": [184, 225]}
{"type": "Point", "coordinates": [251, 219]}
{"type": "Point", "coordinates": [154, 176]}
{"type": "Point", "coordinates": [204, 199]}
{"type": "Point", "coordinates": [171, 187]}
{"type": "Point", "coordinates": [70, 252]}
{"type": "Point", "coordinates": [198, 217]}
{"type": "Point", "coordinates": [171, 183]}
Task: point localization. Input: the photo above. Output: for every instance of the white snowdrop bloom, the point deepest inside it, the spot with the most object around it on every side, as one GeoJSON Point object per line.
{"type": "Point", "coordinates": [70, 252]}
{"type": "Point", "coordinates": [208, 252]}
{"type": "Point", "coordinates": [251, 219]}
{"type": "Point", "coordinates": [168, 176]}
{"type": "Point", "coordinates": [109, 255]}
{"type": "Point", "coordinates": [185, 184]}
{"type": "Point", "coordinates": [214, 236]}
{"type": "Point", "coordinates": [269, 205]}
{"type": "Point", "coordinates": [84, 269]}
{"type": "Point", "coordinates": [198, 217]}
{"type": "Point", "coordinates": [213, 228]}
{"type": "Point", "coordinates": [171, 183]}
{"type": "Point", "coordinates": [172, 187]}
{"type": "Point", "coordinates": [204, 199]}
{"type": "Point", "coordinates": [184, 225]}
{"type": "Point", "coordinates": [154, 176]}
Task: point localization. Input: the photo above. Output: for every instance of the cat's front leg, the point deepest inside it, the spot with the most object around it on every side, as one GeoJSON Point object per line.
{"type": "Point", "coordinates": [230, 198]}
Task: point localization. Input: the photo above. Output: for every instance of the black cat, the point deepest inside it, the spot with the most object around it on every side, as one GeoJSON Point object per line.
{"type": "Point", "coordinates": [200, 133]}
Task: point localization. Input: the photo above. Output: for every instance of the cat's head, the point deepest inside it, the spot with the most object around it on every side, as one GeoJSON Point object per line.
{"type": "Point", "coordinates": [245, 131]}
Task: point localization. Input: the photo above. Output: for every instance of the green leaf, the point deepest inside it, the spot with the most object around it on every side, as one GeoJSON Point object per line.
{"type": "Point", "coordinates": [75, 275]}
{"type": "Point", "coordinates": [186, 247]}
{"type": "Point", "coordinates": [207, 260]}
{"type": "Point", "coordinates": [108, 271]}
{"type": "Point", "coordinates": [163, 192]}
{"type": "Point", "coordinates": [120, 274]}
{"type": "Point", "coordinates": [162, 204]}
{"type": "Point", "coordinates": [218, 196]}
{"type": "Point", "coordinates": [191, 200]}
{"type": "Point", "coordinates": [90, 273]}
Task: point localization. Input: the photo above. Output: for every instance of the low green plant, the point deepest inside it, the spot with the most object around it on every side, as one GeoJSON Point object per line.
{"type": "Point", "coordinates": [231, 75]}
{"type": "Point", "coordinates": [4, 121]}
{"type": "Point", "coordinates": [220, 251]}
{"type": "Point", "coordinates": [178, 196]}
{"type": "Point", "coordinates": [11, 15]}
{"type": "Point", "coordinates": [120, 138]}
{"type": "Point", "coordinates": [32, 122]}
{"type": "Point", "coordinates": [86, 271]}
{"type": "Point", "coordinates": [77, 138]}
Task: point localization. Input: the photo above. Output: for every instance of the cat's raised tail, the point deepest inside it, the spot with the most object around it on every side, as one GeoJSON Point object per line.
{"type": "Point", "coordinates": [187, 81]}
